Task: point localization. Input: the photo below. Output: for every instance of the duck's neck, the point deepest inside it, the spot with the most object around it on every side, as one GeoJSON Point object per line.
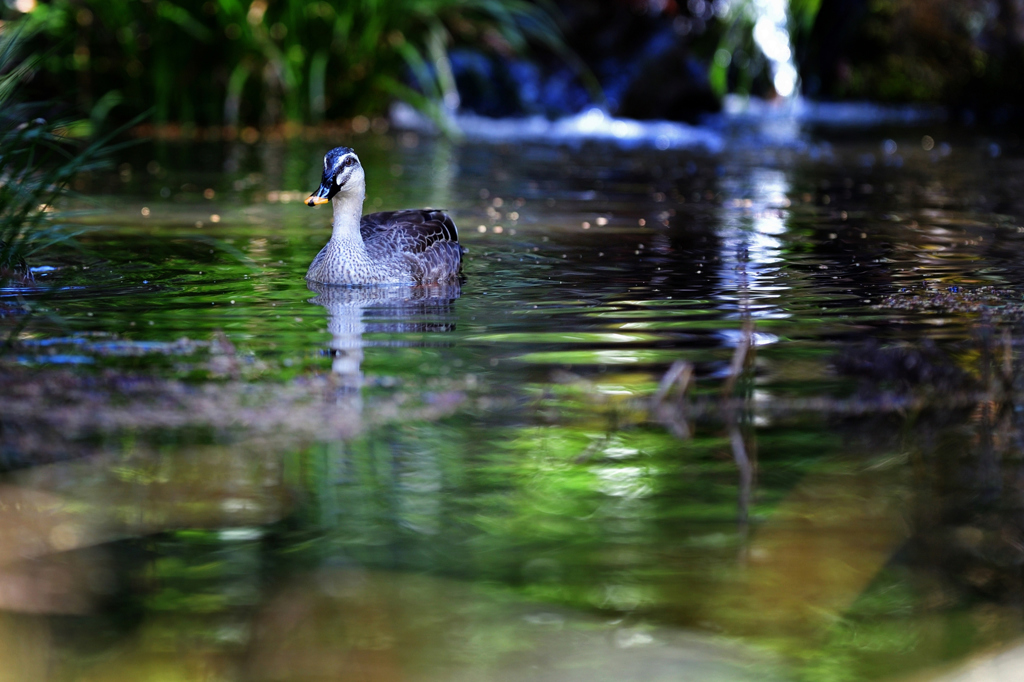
{"type": "Point", "coordinates": [348, 210]}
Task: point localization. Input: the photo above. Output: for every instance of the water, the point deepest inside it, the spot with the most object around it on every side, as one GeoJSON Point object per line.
{"type": "Point", "coordinates": [221, 474]}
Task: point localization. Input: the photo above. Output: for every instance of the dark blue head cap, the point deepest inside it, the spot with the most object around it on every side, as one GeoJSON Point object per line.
{"type": "Point", "coordinates": [333, 158]}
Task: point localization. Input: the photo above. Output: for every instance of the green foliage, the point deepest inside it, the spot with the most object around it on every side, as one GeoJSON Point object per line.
{"type": "Point", "coordinates": [738, 64]}
{"type": "Point", "coordinates": [737, 61]}
{"type": "Point", "coordinates": [38, 158]}
{"type": "Point", "coordinates": [802, 14]}
{"type": "Point", "coordinates": [903, 52]}
{"type": "Point", "coordinates": [256, 62]}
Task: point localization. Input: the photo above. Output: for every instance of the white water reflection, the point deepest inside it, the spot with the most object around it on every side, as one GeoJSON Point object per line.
{"type": "Point", "coordinates": [355, 311]}
{"type": "Point", "coordinates": [771, 33]}
{"type": "Point", "coordinates": [751, 244]}
{"type": "Point", "coordinates": [588, 126]}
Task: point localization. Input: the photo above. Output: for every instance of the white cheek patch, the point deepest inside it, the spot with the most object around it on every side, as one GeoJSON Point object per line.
{"type": "Point", "coordinates": [344, 173]}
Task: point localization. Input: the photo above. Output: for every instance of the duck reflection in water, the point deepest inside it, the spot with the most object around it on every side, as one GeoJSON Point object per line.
{"type": "Point", "coordinates": [354, 311]}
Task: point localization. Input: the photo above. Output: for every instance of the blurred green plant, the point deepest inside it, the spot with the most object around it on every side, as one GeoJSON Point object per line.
{"type": "Point", "coordinates": [38, 160]}
{"type": "Point", "coordinates": [738, 64]}
{"type": "Point", "coordinates": [802, 14]}
{"type": "Point", "coordinates": [737, 57]}
{"type": "Point", "coordinates": [243, 62]}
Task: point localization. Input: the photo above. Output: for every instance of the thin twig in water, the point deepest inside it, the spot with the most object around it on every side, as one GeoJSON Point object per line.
{"type": "Point", "coordinates": [746, 470]}
{"type": "Point", "coordinates": [674, 414]}
{"type": "Point", "coordinates": [739, 357]}
{"type": "Point", "coordinates": [1007, 358]}
{"type": "Point", "coordinates": [592, 449]}
{"type": "Point", "coordinates": [679, 374]}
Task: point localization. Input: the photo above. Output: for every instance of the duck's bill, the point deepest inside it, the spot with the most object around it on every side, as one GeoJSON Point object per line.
{"type": "Point", "coordinates": [321, 196]}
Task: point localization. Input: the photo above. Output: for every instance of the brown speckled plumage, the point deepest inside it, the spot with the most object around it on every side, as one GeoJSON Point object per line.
{"type": "Point", "coordinates": [410, 247]}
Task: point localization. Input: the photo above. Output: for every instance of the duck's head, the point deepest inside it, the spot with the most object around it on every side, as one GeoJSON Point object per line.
{"type": "Point", "coordinates": [342, 171]}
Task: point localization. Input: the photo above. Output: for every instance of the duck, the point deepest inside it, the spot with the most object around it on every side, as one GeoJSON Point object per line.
{"type": "Point", "coordinates": [412, 246]}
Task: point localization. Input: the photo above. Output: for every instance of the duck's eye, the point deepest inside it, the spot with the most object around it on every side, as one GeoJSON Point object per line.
{"type": "Point", "coordinates": [346, 163]}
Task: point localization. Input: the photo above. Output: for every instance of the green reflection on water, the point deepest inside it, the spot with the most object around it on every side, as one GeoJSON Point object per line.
{"type": "Point", "coordinates": [235, 449]}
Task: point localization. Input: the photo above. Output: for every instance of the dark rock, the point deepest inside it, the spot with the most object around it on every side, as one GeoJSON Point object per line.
{"type": "Point", "coordinates": [643, 63]}
{"type": "Point", "coordinates": [671, 85]}
{"type": "Point", "coordinates": [904, 367]}
{"type": "Point", "coordinates": [643, 59]}
{"type": "Point", "coordinates": [490, 85]}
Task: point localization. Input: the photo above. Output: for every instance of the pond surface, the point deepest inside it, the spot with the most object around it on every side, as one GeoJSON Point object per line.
{"type": "Point", "coordinates": [211, 472]}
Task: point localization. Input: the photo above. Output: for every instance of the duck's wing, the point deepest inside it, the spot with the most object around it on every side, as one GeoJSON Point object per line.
{"type": "Point", "coordinates": [410, 231]}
